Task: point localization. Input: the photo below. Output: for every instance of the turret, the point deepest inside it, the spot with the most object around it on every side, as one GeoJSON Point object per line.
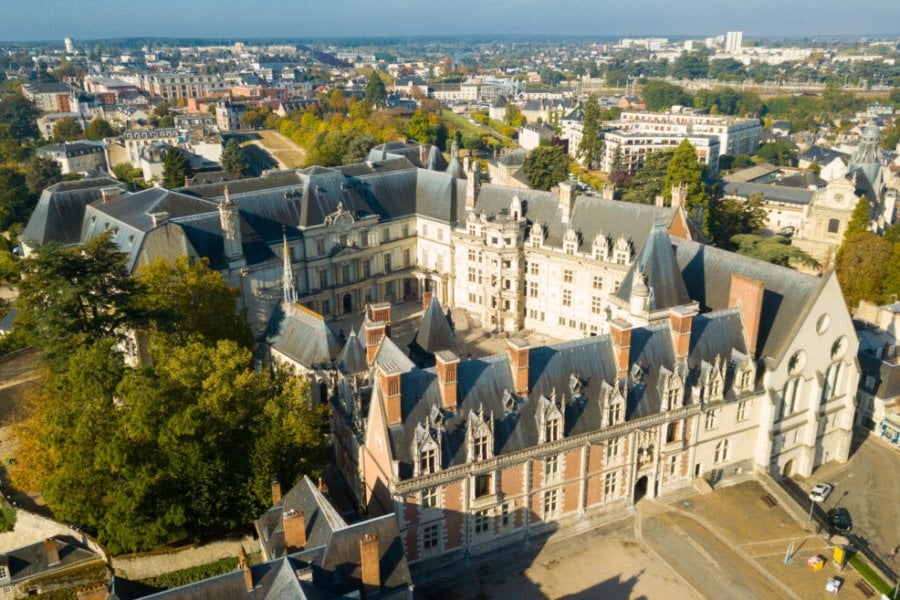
{"type": "Point", "coordinates": [230, 219]}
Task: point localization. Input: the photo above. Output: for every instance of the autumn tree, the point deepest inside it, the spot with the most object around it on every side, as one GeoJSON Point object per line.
{"type": "Point", "coordinates": [67, 129]}
{"type": "Point", "coordinates": [859, 219]}
{"type": "Point", "coordinates": [862, 264]}
{"type": "Point", "coordinates": [545, 167]}
{"type": "Point", "coordinates": [98, 129]}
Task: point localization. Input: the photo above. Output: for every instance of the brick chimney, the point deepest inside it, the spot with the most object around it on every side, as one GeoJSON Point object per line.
{"type": "Point", "coordinates": [389, 381]}
{"type": "Point", "coordinates": [108, 193]}
{"type": "Point", "coordinates": [679, 195]}
{"type": "Point", "coordinates": [426, 300]}
{"type": "Point", "coordinates": [244, 565]}
{"type": "Point", "coordinates": [620, 336]}
{"type": "Point", "coordinates": [377, 326]}
{"type": "Point", "coordinates": [447, 364]}
{"type": "Point", "coordinates": [276, 492]}
{"type": "Point", "coordinates": [680, 320]}
{"type": "Point", "coordinates": [747, 294]}
{"type": "Point", "coordinates": [566, 201]}
{"type": "Point", "coordinates": [370, 564]}
{"type": "Point", "coordinates": [517, 351]}
{"type": "Point", "coordinates": [294, 524]}
{"type": "Point", "coordinates": [51, 551]}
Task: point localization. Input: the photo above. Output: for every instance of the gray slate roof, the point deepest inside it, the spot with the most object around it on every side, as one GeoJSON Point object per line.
{"type": "Point", "coordinates": [31, 561]}
{"type": "Point", "coordinates": [777, 193]}
{"type": "Point", "coordinates": [59, 213]}
{"type": "Point", "coordinates": [302, 335]}
{"type": "Point", "coordinates": [352, 359]}
{"type": "Point", "coordinates": [656, 261]}
{"type": "Point", "coordinates": [433, 335]}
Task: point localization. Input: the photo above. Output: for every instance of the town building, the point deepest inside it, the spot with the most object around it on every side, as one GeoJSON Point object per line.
{"type": "Point", "coordinates": [878, 400]}
{"type": "Point", "coordinates": [77, 157]}
{"type": "Point", "coordinates": [49, 97]}
{"type": "Point", "coordinates": [734, 40]}
{"type": "Point", "coordinates": [175, 86]}
{"type": "Point", "coordinates": [32, 570]}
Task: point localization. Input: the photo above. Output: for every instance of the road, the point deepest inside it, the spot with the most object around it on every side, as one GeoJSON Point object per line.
{"type": "Point", "coordinates": [869, 488]}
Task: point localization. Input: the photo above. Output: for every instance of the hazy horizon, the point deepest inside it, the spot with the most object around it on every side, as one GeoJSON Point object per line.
{"type": "Point", "coordinates": [45, 20]}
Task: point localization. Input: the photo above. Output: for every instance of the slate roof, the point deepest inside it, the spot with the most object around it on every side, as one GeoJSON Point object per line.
{"type": "Point", "coordinates": [352, 359]}
{"type": "Point", "coordinates": [822, 155]}
{"type": "Point", "coordinates": [434, 161]}
{"type": "Point", "coordinates": [777, 193]}
{"type": "Point", "coordinates": [751, 173]}
{"type": "Point", "coordinates": [656, 262]}
{"type": "Point", "coordinates": [591, 215]}
{"type": "Point", "coordinates": [787, 297]}
{"type": "Point", "coordinates": [578, 373]}
{"type": "Point", "coordinates": [59, 213]}
{"type": "Point", "coordinates": [303, 336]}
{"type": "Point", "coordinates": [433, 335]}
{"type": "Point", "coordinates": [31, 561]}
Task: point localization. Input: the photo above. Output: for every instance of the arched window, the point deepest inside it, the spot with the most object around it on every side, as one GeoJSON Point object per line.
{"type": "Point", "coordinates": [833, 225]}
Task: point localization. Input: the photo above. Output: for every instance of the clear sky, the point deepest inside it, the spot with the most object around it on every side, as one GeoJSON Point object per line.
{"type": "Point", "coordinates": [86, 19]}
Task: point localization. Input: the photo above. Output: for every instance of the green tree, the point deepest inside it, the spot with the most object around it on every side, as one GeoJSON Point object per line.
{"type": "Point", "coordinates": [66, 130]}
{"type": "Point", "coordinates": [545, 167]}
{"type": "Point", "coordinates": [890, 287]}
{"type": "Point", "coordinates": [684, 169]}
{"type": "Point", "coordinates": [186, 299]}
{"type": "Point", "coordinates": [20, 115]}
{"type": "Point", "coordinates": [691, 65]}
{"type": "Point", "coordinates": [727, 218]}
{"type": "Point", "coordinates": [513, 116]}
{"type": "Point", "coordinates": [71, 297]}
{"type": "Point", "coordinates": [859, 219]}
{"type": "Point", "coordinates": [358, 147]}
{"type": "Point", "coordinates": [99, 129]}
{"type": "Point", "coordinates": [659, 95]}
{"type": "Point", "coordinates": [376, 94]}
{"type": "Point", "coordinates": [233, 159]}
{"type": "Point", "coordinates": [591, 145]}
{"type": "Point", "coordinates": [175, 168]}
{"type": "Point", "coordinates": [647, 182]}
{"type": "Point", "coordinates": [41, 173]}
{"type": "Point", "coordinates": [130, 175]}
{"type": "Point", "coordinates": [774, 249]}
{"type": "Point", "coordinates": [15, 200]}
{"type": "Point", "coordinates": [862, 266]}
{"type": "Point", "coordinates": [779, 152]}
{"type": "Point", "coordinates": [419, 128]}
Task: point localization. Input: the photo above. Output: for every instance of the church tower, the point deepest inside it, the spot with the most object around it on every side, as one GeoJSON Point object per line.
{"type": "Point", "coordinates": [868, 156]}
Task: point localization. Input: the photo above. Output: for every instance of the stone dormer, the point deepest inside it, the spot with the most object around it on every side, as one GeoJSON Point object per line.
{"type": "Point", "coordinates": [613, 403]}
{"type": "Point", "coordinates": [550, 418]}
{"type": "Point", "coordinates": [744, 368]}
{"type": "Point", "coordinates": [711, 381]}
{"type": "Point", "coordinates": [600, 247]}
{"type": "Point", "coordinates": [479, 435]}
{"type": "Point", "coordinates": [671, 388]}
{"type": "Point", "coordinates": [537, 235]}
{"type": "Point", "coordinates": [427, 445]}
{"type": "Point", "coordinates": [570, 241]}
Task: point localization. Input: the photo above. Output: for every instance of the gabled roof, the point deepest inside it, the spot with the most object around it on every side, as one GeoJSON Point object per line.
{"type": "Point", "coordinates": [656, 262]}
{"type": "Point", "coordinates": [32, 560]}
{"type": "Point", "coordinates": [303, 336]}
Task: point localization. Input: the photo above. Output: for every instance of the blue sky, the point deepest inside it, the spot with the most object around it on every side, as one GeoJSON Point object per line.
{"type": "Point", "coordinates": [55, 19]}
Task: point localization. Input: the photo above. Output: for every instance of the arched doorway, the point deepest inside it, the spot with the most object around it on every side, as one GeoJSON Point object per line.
{"type": "Point", "coordinates": [347, 303]}
{"type": "Point", "coordinates": [640, 489]}
{"type": "Point", "coordinates": [407, 289]}
{"type": "Point", "coordinates": [788, 468]}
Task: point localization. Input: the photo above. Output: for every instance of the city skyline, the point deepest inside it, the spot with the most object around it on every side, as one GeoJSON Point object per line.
{"type": "Point", "coordinates": [41, 20]}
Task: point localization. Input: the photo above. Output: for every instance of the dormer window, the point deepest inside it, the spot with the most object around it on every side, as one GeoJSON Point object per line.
{"type": "Point", "coordinates": [600, 247]}
{"type": "Point", "coordinates": [480, 447]}
{"type": "Point", "coordinates": [551, 431]}
{"type": "Point", "coordinates": [479, 435]}
{"type": "Point", "coordinates": [673, 396]}
{"type": "Point", "coordinates": [428, 461]}
{"type": "Point", "coordinates": [550, 418]}
{"type": "Point", "coordinates": [570, 242]}
{"type": "Point", "coordinates": [622, 252]}
{"type": "Point", "coordinates": [614, 414]}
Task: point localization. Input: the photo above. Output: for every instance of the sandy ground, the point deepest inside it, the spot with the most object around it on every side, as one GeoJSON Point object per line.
{"type": "Point", "coordinates": [288, 154]}
{"type": "Point", "coordinates": [604, 563]}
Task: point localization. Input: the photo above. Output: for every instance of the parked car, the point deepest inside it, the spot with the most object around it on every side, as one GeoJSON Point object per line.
{"type": "Point", "coordinates": [820, 492]}
{"type": "Point", "coordinates": [786, 231]}
{"type": "Point", "coordinates": [839, 519]}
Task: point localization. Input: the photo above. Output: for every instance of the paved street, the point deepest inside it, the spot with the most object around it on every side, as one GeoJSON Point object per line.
{"type": "Point", "coordinates": [869, 488]}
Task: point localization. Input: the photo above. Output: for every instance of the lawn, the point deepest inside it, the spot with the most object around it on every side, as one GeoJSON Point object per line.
{"type": "Point", "coordinates": [7, 516]}
{"type": "Point", "coordinates": [868, 573]}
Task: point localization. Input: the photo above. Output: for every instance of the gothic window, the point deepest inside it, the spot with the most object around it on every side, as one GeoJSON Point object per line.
{"type": "Point", "coordinates": [613, 447]}
{"type": "Point", "coordinates": [833, 225]}
{"type": "Point", "coordinates": [551, 430]}
{"type": "Point", "coordinates": [598, 282]}
{"type": "Point", "coordinates": [673, 394]}
{"type": "Point", "coordinates": [596, 305]}
{"type": "Point", "coordinates": [600, 247]}
{"type": "Point", "coordinates": [712, 420]}
{"type": "Point", "coordinates": [320, 247]}
{"type": "Point", "coordinates": [745, 380]}
{"type": "Point", "coordinates": [568, 276]}
{"type": "Point", "coordinates": [790, 395]}
{"type": "Point", "coordinates": [673, 432]}
{"type": "Point", "coordinates": [567, 298]}
{"type": "Point", "coordinates": [480, 446]}
{"type": "Point", "coordinates": [832, 377]}
{"type": "Point", "coordinates": [622, 252]}
{"type": "Point", "coordinates": [570, 242]}
{"type": "Point", "coordinates": [742, 410]}
{"type": "Point", "coordinates": [614, 413]}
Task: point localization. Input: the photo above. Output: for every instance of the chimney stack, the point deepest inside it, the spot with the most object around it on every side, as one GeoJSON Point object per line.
{"type": "Point", "coordinates": [159, 218]}
{"type": "Point", "coordinates": [276, 492]}
{"type": "Point", "coordinates": [609, 191]}
{"type": "Point", "coordinates": [294, 524]}
{"type": "Point", "coordinates": [679, 195]}
{"type": "Point", "coordinates": [423, 154]}
{"type": "Point", "coordinates": [447, 364]}
{"type": "Point", "coordinates": [370, 564]}
{"type": "Point", "coordinates": [389, 381]}
{"type": "Point", "coordinates": [517, 352]}
{"type": "Point", "coordinates": [566, 201]}
{"type": "Point", "coordinates": [620, 336]}
{"type": "Point", "coordinates": [377, 326]}
{"type": "Point", "coordinates": [748, 294]}
{"type": "Point", "coordinates": [426, 300]}
{"type": "Point", "coordinates": [472, 185]}
{"type": "Point", "coordinates": [187, 181]}
{"type": "Point", "coordinates": [680, 321]}
{"type": "Point", "coordinates": [244, 565]}
{"type": "Point", "coordinates": [108, 193]}
{"type": "Point", "coordinates": [51, 551]}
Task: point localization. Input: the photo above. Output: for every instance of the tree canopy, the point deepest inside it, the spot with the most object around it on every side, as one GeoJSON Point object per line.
{"type": "Point", "coordinates": [726, 218]}
{"type": "Point", "coordinates": [775, 249]}
{"type": "Point", "coordinates": [376, 94]}
{"type": "Point", "coordinates": [659, 95]}
{"type": "Point", "coordinates": [685, 170]}
{"type": "Point", "coordinates": [15, 200]}
{"type": "Point", "coordinates": [67, 129]}
{"type": "Point", "coordinates": [647, 182]}
{"type": "Point", "coordinates": [862, 264]}
{"type": "Point", "coordinates": [175, 168]}
{"type": "Point", "coordinates": [859, 219]}
{"type": "Point", "coordinates": [41, 173]}
{"type": "Point", "coordinates": [546, 166]}
{"type": "Point", "coordinates": [98, 129]}
{"type": "Point", "coordinates": [233, 159]}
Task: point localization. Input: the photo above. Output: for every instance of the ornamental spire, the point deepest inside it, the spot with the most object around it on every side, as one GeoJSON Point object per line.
{"type": "Point", "coordinates": [290, 290]}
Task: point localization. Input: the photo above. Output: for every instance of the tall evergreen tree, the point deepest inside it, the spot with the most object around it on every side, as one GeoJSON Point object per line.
{"type": "Point", "coordinates": [545, 167]}
{"type": "Point", "coordinates": [685, 170]}
{"type": "Point", "coordinates": [233, 159]}
{"type": "Point", "coordinates": [42, 172]}
{"type": "Point", "coordinates": [175, 168]}
{"type": "Point", "coordinates": [375, 91]}
{"type": "Point", "coordinates": [859, 219]}
{"type": "Point", "coordinates": [591, 140]}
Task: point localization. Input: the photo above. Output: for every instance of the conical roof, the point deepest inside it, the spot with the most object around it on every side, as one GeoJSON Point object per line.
{"type": "Point", "coordinates": [434, 334]}
{"type": "Point", "coordinates": [352, 358]}
{"type": "Point", "coordinates": [661, 274]}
